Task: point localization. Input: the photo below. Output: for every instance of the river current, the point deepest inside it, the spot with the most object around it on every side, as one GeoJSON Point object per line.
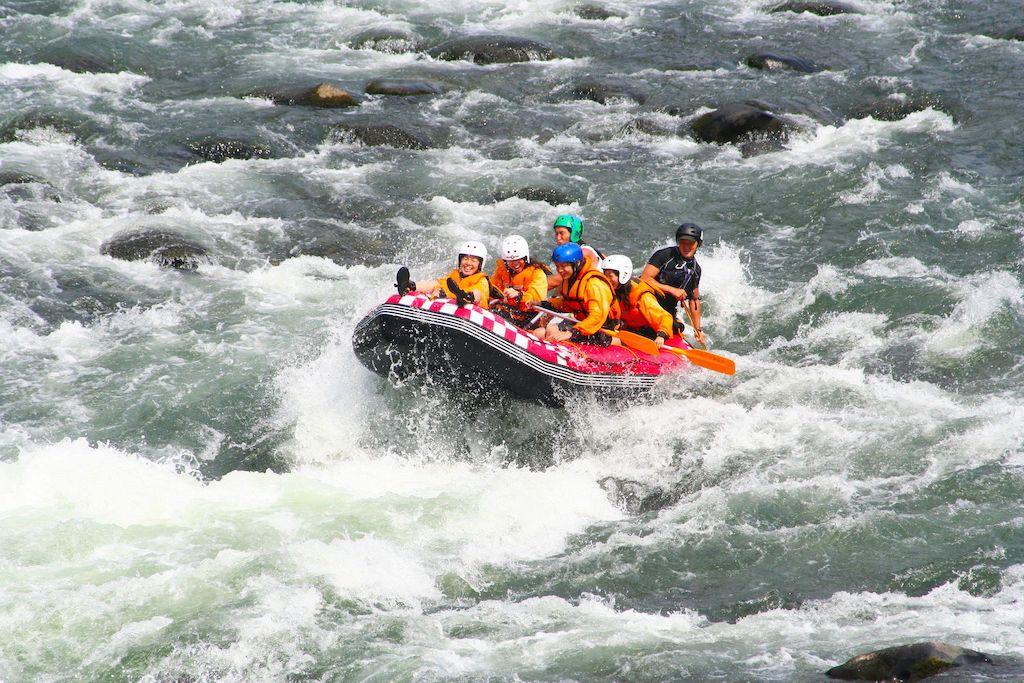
{"type": "Point", "coordinates": [199, 482]}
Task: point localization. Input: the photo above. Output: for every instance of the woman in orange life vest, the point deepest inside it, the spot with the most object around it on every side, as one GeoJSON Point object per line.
{"type": "Point", "coordinates": [469, 280]}
{"type": "Point", "coordinates": [636, 305]}
{"type": "Point", "coordinates": [585, 293]}
{"type": "Point", "coordinates": [569, 228]}
{"type": "Point", "coordinates": [521, 282]}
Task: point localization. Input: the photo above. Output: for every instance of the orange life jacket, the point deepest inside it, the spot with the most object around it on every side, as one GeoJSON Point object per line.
{"type": "Point", "coordinates": [477, 282]}
{"type": "Point", "coordinates": [639, 314]}
{"type": "Point", "coordinates": [575, 299]}
{"type": "Point", "coordinates": [531, 281]}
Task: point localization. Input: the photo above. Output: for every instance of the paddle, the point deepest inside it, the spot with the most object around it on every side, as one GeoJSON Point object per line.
{"type": "Point", "coordinates": [705, 359]}
{"type": "Point", "coordinates": [633, 341]}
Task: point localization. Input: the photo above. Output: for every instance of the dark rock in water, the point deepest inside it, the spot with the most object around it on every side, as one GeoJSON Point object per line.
{"type": "Point", "coordinates": [822, 9]}
{"type": "Point", "coordinates": [161, 246]}
{"type": "Point", "coordinates": [80, 63]}
{"type": "Point", "coordinates": [218, 150]}
{"type": "Point", "coordinates": [551, 195]}
{"type": "Point", "coordinates": [39, 119]}
{"type": "Point", "coordinates": [740, 121]}
{"type": "Point", "coordinates": [402, 86]}
{"type": "Point", "coordinates": [773, 62]}
{"type": "Point", "coordinates": [753, 148]}
{"type": "Point", "coordinates": [492, 50]}
{"type": "Point", "coordinates": [22, 187]}
{"type": "Point", "coordinates": [381, 135]}
{"type": "Point", "coordinates": [389, 40]}
{"type": "Point", "coordinates": [596, 13]}
{"type": "Point", "coordinates": [907, 662]}
{"type": "Point", "coordinates": [648, 126]}
{"type": "Point", "coordinates": [604, 91]}
{"type": "Point", "coordinates": [16, 178]}
{"type": "Point", "coordinates": [321, 95]}
{"type": "Point", "coordinates": [898, 107]}
{"type": "Point", "coordinates": [1015, 34]}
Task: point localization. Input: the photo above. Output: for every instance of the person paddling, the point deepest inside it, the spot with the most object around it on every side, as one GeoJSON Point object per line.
{"type": "Point", "coordinates": [568, 228]}
{"type": "Point", "coordinates": [636, 305]}
{"type": "Point", "coordinates": [521, 282]}
{"type": "Point", "coordinates": [584, 293]}
{"type": "Point", "coordinates": [467, 284]}
{"type": "Point", "coordinates": [675, 274]}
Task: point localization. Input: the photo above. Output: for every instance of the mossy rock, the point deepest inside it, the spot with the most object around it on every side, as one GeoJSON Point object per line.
{"type": "Point", "coordinates": [164, 247]}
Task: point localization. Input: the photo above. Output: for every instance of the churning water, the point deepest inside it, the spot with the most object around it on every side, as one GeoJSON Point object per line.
{"type": "Point", "coordinates": [198, 481]}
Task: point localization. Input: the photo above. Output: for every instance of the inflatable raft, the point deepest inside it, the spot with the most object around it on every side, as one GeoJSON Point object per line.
{"type": "Point", "coordinates": [469, 347]}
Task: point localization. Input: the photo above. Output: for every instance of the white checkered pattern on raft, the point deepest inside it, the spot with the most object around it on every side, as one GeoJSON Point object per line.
{"type": "Point", "coordinates": [552, 353]}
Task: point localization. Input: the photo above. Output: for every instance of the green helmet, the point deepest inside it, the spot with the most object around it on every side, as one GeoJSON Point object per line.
{"type": "Point", "coordinates": [574, 225]}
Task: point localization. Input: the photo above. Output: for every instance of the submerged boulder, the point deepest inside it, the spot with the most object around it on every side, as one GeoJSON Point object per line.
{"type": "Point", "coordinates": [739, 122]}
{"type": "Point", "coordinates": [381, 135]}
{"type": "Point", "coordinates": [596, 13]}
{"type": "Point", "coordinates": [898, 106]}
{"type": "Point", "coordinates": [822, 9]}
{"type": "Point", "coordinates": [906, 662]}
{"type": "Point", "coordinates": [492, 50]}
{"type": "Point", "coordinates": [323, 95]}
{"type": "Point", "coordinates": [536, 193]}
{"type": "Point", "coordinates": [602, 91]}
{"type": "Point", "coordinates": [164, 247]}
{"type": "Point", "coordinates": [402, 86]}
{"type": "Point", "coordinates": [391, 40]}
{"type": "Point", "coordinates": [1014, 34]}
{"type": "Point", "coordinates": [769, 61]}
{"type": "Point", "coordinates": [222, 149]}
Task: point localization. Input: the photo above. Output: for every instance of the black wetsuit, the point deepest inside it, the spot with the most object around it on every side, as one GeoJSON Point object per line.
{"type": "Point", "coordinates": [675, 271]}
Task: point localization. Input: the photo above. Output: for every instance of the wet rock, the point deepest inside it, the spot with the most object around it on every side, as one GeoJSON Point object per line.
{"type": "Point", "coordinates": [17, 178]}
{"type": "Point", "coordinates": [1015, 34]}
{"type": "Point", "coordinates": [740, 122]}
{"type": "Point", "coordinates": [822, 9]}
{"type": "Point", "coordinates": [389, 40]}
{"type": "Point", "coordinates": [537, 193]}
{"type": "Point", "coordinates": [163, 247]}
{"type": "Point", "coordinates": [898, 107]}
{"type": "Point", "coordinates": [23, 187]}
{"type": "Point", "coordinates": [323, 95]}
{"type": "Point", "coordinates": [768, 61]}
{"type": "Point", "coordinates": [381, 135]}
{"type": "Point", "coordinates": [492, 50]}
{"type": "Point", "coordinates": [596, 13]}
{"type": "Point", "coordinates": [402, 86]}
{"type": "Point", "coordinates": [649, 126]}
{"type": "Point", "coordinates": [10, 130]}
{"type": "Point", "coordinates": [218, 150]}
{"type": "Point", "coordinates": [605, 91]}
{"type": "Point", "coordinates": [907, 662]}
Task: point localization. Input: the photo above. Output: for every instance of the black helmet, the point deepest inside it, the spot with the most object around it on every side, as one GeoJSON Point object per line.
{"type": "Point", "coordinates": [690, 231]}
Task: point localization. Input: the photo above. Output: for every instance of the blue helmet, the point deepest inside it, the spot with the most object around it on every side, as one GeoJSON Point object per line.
{"type": "Point", "coordinates": [569, 252]}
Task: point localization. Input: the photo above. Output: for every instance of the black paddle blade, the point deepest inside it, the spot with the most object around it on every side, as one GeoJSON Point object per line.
{"type": "Point", "coordinates": [402, 284]}
{"type": "Point", "coordinates": [461, 297]}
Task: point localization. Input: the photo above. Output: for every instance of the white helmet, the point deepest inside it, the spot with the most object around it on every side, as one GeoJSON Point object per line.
{"type": "Point", "coordinates": [619, 263]}
{"type": "Point", "coordinates": [473, 248]}
{"type": "Point", "coordinates": [514, 247]}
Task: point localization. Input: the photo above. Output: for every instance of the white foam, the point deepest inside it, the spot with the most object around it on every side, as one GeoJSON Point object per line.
{"type": "Point", "coordinates": [981, 297]}
{"type": "Point", "coordinates": [88, 84]}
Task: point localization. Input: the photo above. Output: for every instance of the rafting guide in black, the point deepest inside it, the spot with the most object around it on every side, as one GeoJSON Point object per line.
{"type": "Point", "coordinates": [674, 273]}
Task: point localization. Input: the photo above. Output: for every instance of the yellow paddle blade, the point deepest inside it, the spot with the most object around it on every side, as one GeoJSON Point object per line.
{"type": "Point", "coordinates": [638, 342]}
{"type": "Point", "coordinates": [706, 359]}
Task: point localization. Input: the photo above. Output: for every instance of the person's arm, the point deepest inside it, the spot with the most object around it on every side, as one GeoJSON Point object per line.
{"type": "Point", "coordinates": [428, 287]}
{"type": "Point", "coordinates": [481, 291]}
{"type": "Point", "coordinates": [650, 276]}
{"type": "Point", "coordinates": [693, 306]}
{"type": "Point", "coordinates": [535, 291]}
{"type": "Point", "coordinates": [599, 301]}
{"type": "Point", "coordinates": [657, 317]}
